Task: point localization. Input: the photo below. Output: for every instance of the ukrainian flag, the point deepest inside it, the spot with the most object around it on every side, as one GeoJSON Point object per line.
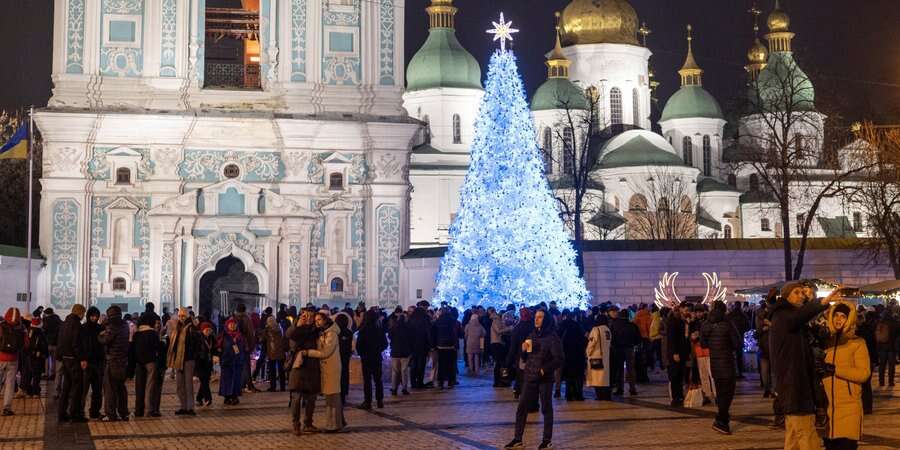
{"type": "Point", "coordinates": [17, 146]}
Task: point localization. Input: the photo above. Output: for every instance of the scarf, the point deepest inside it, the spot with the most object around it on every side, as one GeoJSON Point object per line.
{"type": "Point", "coordinates": [175, 359]}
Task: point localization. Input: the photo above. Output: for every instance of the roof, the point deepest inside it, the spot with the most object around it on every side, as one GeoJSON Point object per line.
{"type": "Point", "coordinates": [691, 102]}
{"type": "Point", "coordinates": [608, 220]}
{"type": "Point", "coordinates": [836, 227]}
{"type": "Point", "coordinates": [782, 77]}
{"type": "Point", "coordinates": [558, 93]}
{"type": "Point", "coordinates": [757, 197]}
{"type": "Point", "coordinates": [638, 148]}
{"type": "Point", "coordinates": [428, 149]}
{"type": "Point", "coordinates": [442, 62]}
{"type": "Point", "coordinates": [706, 219]}
{"type": "Point", "coordinates": [708, 184]}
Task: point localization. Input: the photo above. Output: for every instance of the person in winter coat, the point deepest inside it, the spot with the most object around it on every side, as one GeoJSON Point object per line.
{"type": "Point", "coordinates": [182, 355]}
{"type": "Point", "coordinates": [644, 356]}
{"type": "Point", "coordinates": [248, 331]}
{"type": "Point", "coordinates": [52, 325]}
{"type": "Point", "coordinates": [499, 347]}
{"type": "Point", "coordinates": [542, 353]}
{"type": "Point", "coordinates": [305, 376]}
{"type": "Point", "coordinates": [446, 340]}
{"type": "Point", "coordinates": [370, 343]}
{"type": "Point", "coordinates": [762, 338]}
{"type": "Point", "coordinates": [625, 337]}
{"type": "Point", "coordinates": [474, 336]}
{"type": "Point", "coordinates": [70, 353]}
{"type": "Point", "coordinates": [146, 352]}
{"type": "Point", "coordinates": [678, 351]}
{"type": "Point", "coordinates": [233, 348]}
{"type": "Point", "coordinates": [35, 356]}
{"type": "Point", "coordinates": [887, 330]}
{"type": "Point", "coordinates": [513, 358]}
{"type": "Point", "coordinates": [275, 348]}
{"type": "Point", "coordinates": [205, 363]}
{"type": "Point", "coordinates": [742, 324]}
{"type": "Point", "coordinates": [13, 343]}
{"type": "Point", "coordinates": [327, 352]}
{"type": "Point", "coordinates": [598, 356]}
{"type": "Point", "coordinates": [720, 337]}
{"type": "Point", "coordinates": [114, 338]}
{"type": "Point", "coordinates": [574, 344]}
{"type": "Point", "coordinates": [847, 368]}
{"type": "Point", "coordinates": [793, 366]}
{"type": "Point", "coordinates": [401, 350]}
{"type": "Point", "coordinates": [420, 338]}
{"type": "Point", "coordinates": [96, 355]}
{"type": "Point", "coordinates": [345, 345]}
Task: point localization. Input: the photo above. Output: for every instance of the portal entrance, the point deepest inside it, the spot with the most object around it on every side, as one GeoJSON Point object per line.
{"type": "Point", "coordinates": [230, 276]}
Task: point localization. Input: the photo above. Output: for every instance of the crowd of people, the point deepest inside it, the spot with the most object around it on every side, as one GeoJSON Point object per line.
{"type": "Point", "coordinates": [815, 357]}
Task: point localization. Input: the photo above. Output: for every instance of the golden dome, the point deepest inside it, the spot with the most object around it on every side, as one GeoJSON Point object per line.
{"type": "Point", "coordinates": [778, 20]}
{"type": "Point", "coordinates": [600, 22]}
{"type": "Point", "coordinates": [758, 53]}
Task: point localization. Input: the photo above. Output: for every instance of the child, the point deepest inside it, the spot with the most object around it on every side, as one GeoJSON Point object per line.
{"type": "Point", "coordinates": [35, 357]}
{"type": "Point", "coordinates": [204, 369]}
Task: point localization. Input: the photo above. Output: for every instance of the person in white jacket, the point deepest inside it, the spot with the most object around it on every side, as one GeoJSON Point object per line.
{"type": "Point", "coordinates": [598, 368]}
{"type": "Point", "coordinates": [330, 371]}
{"type": "Point", "coordinates": [474, 334]}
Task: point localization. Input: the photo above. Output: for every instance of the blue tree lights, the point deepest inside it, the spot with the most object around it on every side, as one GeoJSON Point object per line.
{"type": "Point", "coordinates": [508, 244]}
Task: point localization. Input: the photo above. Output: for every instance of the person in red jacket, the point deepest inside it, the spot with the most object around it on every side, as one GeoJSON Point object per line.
{"type": "Point", "coordinates": [12, 341]}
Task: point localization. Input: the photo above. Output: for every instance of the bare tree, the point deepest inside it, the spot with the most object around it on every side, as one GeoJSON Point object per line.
{"type": "Point", "coordinates": [878, 194]}
{"type": "Point", "coordinates": [14, 196]}
{"type": "Point", "coordinates": [662, 207]}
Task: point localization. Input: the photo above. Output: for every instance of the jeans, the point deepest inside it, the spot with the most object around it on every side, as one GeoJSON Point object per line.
{"type": "Point", "coordinates": [371, 371]}
{"type": "Point", "coordinates": [93, 380]}
{"type": "Point", "coordinates": [676, 380]}
{"type": "Point", "coordinates": [623, 363]}
{"type": "Point", "coordinates": [417, 368]}
{"type": "Point", "coordinates": [724, 396]}
{"type": "Point", "coordinates": [399, 373]}
{"type": "Point", "coordinates": [531, 392]}
{"type": "Point", "coordinates": [8, 371]}
{"type": "Point", "coordinates": [886, 360]}
{"type": "Point", "coordinates": [800, 433]}
{"type": "Point", "coordinates": [184, 385]}
{"type": "Point", "coordinates": [145, 388]}
{"type": "Point", "coordinates": [446, 372]}
{"type": "Point", "coordinates": [71, 399]}
{"type": "Point", "coordinates": [114, 390]}
{"type": "Point", "coordinates": [275, 369]}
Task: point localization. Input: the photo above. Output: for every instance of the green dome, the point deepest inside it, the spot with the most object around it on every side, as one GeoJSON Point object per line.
{"type": "Point", "coordinates": [638, 148]}
{"type": "Point", "coordinates": [442, 62]}
{"type": "Point", "coordinates": [558, 93]}
{"type": "Point", "coordinates": [690, 102]}
{"type": "Point", "coordinates": [782, 72]}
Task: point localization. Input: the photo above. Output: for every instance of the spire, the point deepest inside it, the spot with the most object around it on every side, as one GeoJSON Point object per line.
{"type": "Point", "coordinates": [758, 54]}
{"type": "Point", "coordinates": [440, 14]}
{"type": "Point", "coordinates": [690, 73]}
{"type": "Point", "coordinates": [557, 63]}
{"type": "Point", "coordinates": [645, 31]}
{"type": "Point", "coordinates": [779, 36]}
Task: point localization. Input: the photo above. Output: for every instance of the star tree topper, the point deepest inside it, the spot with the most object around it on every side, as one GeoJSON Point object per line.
{"type": "Point", "coordinates": [502, 31]}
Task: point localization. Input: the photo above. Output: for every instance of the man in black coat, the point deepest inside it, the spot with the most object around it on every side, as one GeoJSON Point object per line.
{"type": "Point", "coordinates": [420, 338]}
{"type": "Point", "coordinates": [625, 336]}
{"type": "Point", "coordinates": [678, 351]}
{"type": "Point", "coordinates": [114, 338]}
{"type": "Point", "coordinates": [71, 355]}
{"type": "Point", "coordinates": [543, 354]}
{"type": "Point", "coordinates": [52, 324]}
{"type": "Point", "coordinates": [519, 334]}
{"type": "Point", "coordinates": [793, 365]}
{"type": "Point", "coordinates": [742, 324]}
{"type": "Point", "coordinates": [721, 337]}
{"type": "Point", "coordinates": [93, 375]}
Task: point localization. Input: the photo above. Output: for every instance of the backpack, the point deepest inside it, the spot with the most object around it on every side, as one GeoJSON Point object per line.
{"type": "Point", "coordinates": [9, 341]}
{"type": "Point", "coordinates": [883, 332]}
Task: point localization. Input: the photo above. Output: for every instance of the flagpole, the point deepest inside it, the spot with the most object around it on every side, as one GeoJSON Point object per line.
{"type": "Point", "coordinates": [30, 205]}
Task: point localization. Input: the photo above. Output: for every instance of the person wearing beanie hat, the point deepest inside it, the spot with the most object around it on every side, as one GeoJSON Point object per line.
{"type": "Point", "coordinates": [93, 374]}
{"type": "Point", "coordinates": [73, 358]}
{"type": "Point", "coordinates": [12, 342]}
{"type": "Point", "coordinates": [847, 367]}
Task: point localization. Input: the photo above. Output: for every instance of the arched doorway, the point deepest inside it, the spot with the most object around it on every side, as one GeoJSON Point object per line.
{"type": "Point", "coordinates": [230, 275]}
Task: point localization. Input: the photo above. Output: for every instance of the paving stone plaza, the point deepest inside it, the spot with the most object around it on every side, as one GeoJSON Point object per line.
{"type": "Point", "coordinates": [474, 415]}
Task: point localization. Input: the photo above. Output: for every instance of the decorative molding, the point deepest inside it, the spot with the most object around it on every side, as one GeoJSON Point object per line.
{"type": "Point", "coordinates": [167, 274]}
{"type": "Point", "coordinates": [387, 217]}
{"type": "Point", "coordinates": [219, 243]}
{"type": "Point", "coordinates": [206, 165]}
{"type": "Point", "coordinates": [298, 40]}
{"type": "Point", "coordinates": [295, 276]}
{"type": "Point", "coordinates": [99, 168]}
{"type": "Point", "coordinates": [386, 57]}
{"type": "Point", "coordinates": [169, 25]}
{"type": "Point", "coordinates": [127, 59]}
{"type": "Point", "coordinates": [64, 253]}
{"type": "Point", "coordinates": [75, 21]}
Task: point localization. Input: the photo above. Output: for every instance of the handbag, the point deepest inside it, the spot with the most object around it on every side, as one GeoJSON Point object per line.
{"type": "Point", "coordinates": [694, 398]}
{"type": "Point", "coordinates": [596, 363]}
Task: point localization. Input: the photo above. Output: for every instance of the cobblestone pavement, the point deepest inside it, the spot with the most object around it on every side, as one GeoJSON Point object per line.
{"type": "Point", "coordinates": [472, 416]}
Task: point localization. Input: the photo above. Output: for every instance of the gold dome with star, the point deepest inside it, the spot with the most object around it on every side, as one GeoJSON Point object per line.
{"type": "Point", "coordinates": [600, 22]}
{"type": "Point", "coordinates": [758, 53]}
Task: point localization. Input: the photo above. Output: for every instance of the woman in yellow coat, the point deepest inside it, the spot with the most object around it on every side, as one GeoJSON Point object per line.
{"type": "Point", "coordinates": [849, 357]}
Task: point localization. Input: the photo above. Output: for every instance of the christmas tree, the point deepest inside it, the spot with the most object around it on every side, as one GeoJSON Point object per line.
{"type": "Point", "coordinates": [508, 244]}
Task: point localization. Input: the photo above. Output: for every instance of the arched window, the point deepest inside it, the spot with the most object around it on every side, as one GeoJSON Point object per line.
{"type": "Point", "coordinates": [637, 203]}
{"type": "Point", "coordinates": [662, 204]}
{"type": "Point", "coordinates": [337, 284]}
{"type": "Point", "coordinates": [615, 106]}
{"type": "Point", "coordinates": [687, 206]}
{"type": "Point", "coordinates": [427, 129]}
{"type": "Point", "coordinates": [123, 175]}
{"type": "Point", "coordinates": [568, 150]}
{"type": "Point", "coordinates": [457, 131]}
{"type": "Point", "coordinates": [687, 150]}
{"type": "Point", "coordinates": [636, 106]}
{"type": "Point", "coordinates": [118, 284]}
{"type": "Point", "coordinates": [801, 219]}
{"type": "Point", "coordinates": [727, 230]}
{"type": "Point", "coordinates": [764, 224]}
{"type": "Point", "coordinates": [336, 181]}
{"type": "Point", "coordinates": [548, 150]}
{"type": "Point", "coordinates": [754, 182]}
{"type": "Point", "coordinates": [800, 145]}
{"type": "Point", "coordinates": [732, 180]}
{"type": "Point", "coordinates": [857, 222]}
{"type": "Point", "coordinates": [707, 156]}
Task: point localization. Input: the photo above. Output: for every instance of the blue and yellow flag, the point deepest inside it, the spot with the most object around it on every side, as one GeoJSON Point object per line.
{"type": "Point", "coordinates": [17, 146]}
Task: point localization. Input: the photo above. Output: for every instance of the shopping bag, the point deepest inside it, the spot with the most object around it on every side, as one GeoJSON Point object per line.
{"type": "Point", "coordinates": [356, 376]}
{"type": "Point", "coordinates": [694, 398]}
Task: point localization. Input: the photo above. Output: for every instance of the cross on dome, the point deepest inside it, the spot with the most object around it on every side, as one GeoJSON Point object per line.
{"type": "Point", "coordinates": [502, 31]}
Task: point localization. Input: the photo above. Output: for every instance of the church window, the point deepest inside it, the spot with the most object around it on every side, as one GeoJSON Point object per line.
{"type": "Point", "coordinates": [337, 284]}
{"type": "Point", "coordinates": [754, 182]}
{"type": "Point", "coordinates": [687, 150]}
{"type": "Point", "coordinates": [231, 171]}
{"type": "Point", "coordinates": [764, 224]}
{"type": "Point", "coordinates": [727, 230]}
{"type": "Point", "coordinates": [123, 175]}
{"type": "Point", "coordinates": [336, 181]}
{"type": "Point", "coordinates": [801, 218]}
{"type": "Point", "coordinates": [687, 206]}
{"type": "Point", "coordinates": [568, 153]}
{"type": "Point", "coordinates": [457, 130]}
{"type": "Point", "coordinates": [636, 106]}
{"type": "Point", "coordinates": [637, 203]}
{"type": "Point", "coordinates": [548, 150]}
{"type": "Point", "coordinates": [118, 284]}
{"type": "Point", "coordinates": [232, 50]}
{"type": "Point", "coordinates": [857, 222]}
{"type": "Point", "coordinates": [707, 156]}
{"type": "Point", "coordinates": [615, 106]}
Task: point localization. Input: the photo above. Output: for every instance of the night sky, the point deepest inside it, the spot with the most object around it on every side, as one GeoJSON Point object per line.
{"type": "Point", "coordinates": [851, 50]}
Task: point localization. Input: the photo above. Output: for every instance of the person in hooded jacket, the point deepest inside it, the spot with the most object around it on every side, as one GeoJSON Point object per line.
{"type": "Point", "coordinates": [13, 344]}
{"type": "Point", "coordinates": [305, 378]}
{"type": "Point", "coordinates": [52, 325]}
{"type": "Point", "coordinates": [114, 338]}
{"type": "Point", "coordinates": [328, 354]}
{"type": "Point", "coordinates": [70, 353]}
{"type": "Point", "coordinates": [345, 345]}
{"type": "Point", "coordinates": [274, 346]}
{"type": "Point", "coordinates": [598, 356]}
{"type": "Point", "coordinates": [542, 354]}
{"type": "Point", "coordinates": [625, 337]}
{"type": "Point", "coordinates": [93, 375]}
{"type": "Point", "coordinates": [146, 348]}
{"type": "Point", "coordinates": [574, 345]}
{"type": "Point", "coordinates": [720, 336]}
{"type": "Point", "coordinates": [513, 357]}
{"type": "Point", "coordinates": [446, 340]}
{"type": "Point", "coordinates": [184, 345]}
{"type": "Point", "coordinates": [401, 350]}
{"type": "Point", "coordinates": [474, 341]}
{"type": "Point", "coordinates": [847, 367]}
{"type": "Point", "coordinates": [35, 356]}
{"type": "Point", "coordinates": [420, 338]}
{"type": "Point", "coordinates": [370, 343]}
{"type": "Point", "coordinates": [233, 348]}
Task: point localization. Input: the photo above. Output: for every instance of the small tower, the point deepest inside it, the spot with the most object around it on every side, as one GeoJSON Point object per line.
{"type": "Point", "coordinates": [691, 73]}
{"type": "Point", "coordinates": [758, 54]}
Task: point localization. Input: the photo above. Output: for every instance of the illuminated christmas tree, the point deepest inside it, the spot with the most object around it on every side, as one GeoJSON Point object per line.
{"type": "Point", "coordinates": [508, 244]}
